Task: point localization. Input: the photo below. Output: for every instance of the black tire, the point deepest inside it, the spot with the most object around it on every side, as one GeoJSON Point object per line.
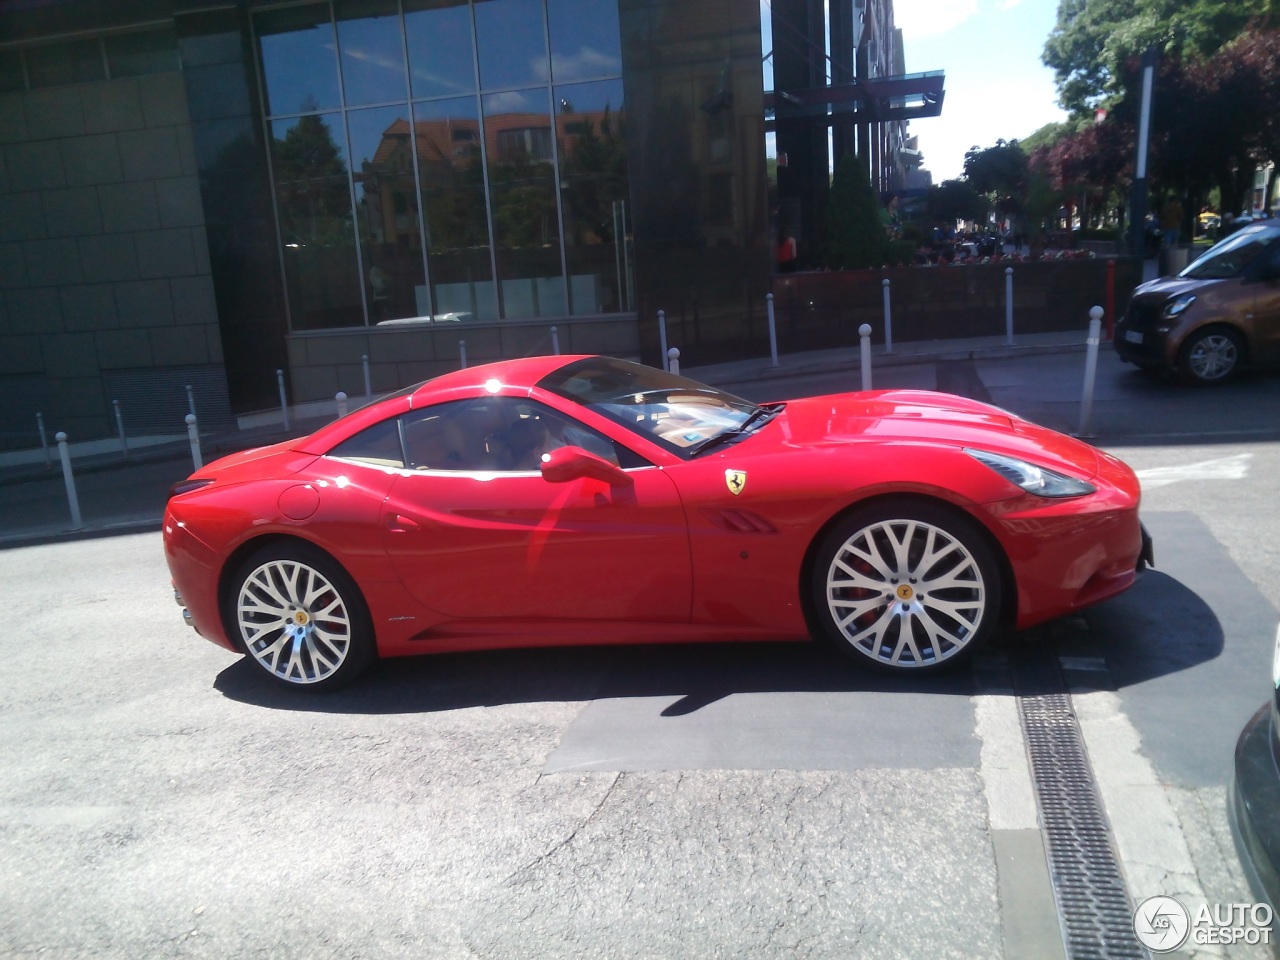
{"type": "Point", "coordinates": [1209, 356]}
{"type": "Point", "coordinates": [906, 586]}
{"type": "Point", "coordinates": [299, 617]}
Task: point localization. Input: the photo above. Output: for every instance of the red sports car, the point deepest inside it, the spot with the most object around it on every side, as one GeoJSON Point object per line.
{"type": "Point", "coordinates": [588, 500]}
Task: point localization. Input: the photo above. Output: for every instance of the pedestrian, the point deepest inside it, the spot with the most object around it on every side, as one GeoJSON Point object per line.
{"type": "Point", "coordinates": [1171, 223]}
{"type": "Point", "coordinates": [786, 250]}
{"type": "Point", "coordinates": [889, 218]}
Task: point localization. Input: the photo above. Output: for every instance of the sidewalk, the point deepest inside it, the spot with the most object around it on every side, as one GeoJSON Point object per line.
{"type": "Point", "coordinates": [127, 496]}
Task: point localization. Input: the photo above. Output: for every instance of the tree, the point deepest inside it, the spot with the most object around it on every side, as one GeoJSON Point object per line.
{"type": "Point", "coordinates": [997, 171]}
{"type": "Point", "coordinates": [954, 200]}
{"type": "Point", "coordinates": [855, 236]}
{"type": "Point", "coordinates": [1094, 39]}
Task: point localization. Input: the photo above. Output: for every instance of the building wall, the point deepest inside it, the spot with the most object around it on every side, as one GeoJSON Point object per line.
{"type": "Point", "coordinates": [139, 249]}
{"type": "Point", "coordinates": [104, 268]}
{"type": "Point", "coordinates": [695, 114]}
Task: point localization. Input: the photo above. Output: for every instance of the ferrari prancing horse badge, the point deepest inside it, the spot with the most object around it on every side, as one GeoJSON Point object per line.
{"type": "Point", "coordinates": [736, 479]}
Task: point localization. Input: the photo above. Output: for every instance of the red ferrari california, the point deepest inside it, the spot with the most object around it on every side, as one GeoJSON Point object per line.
{"type": "Point", "coordinates": [588, 500]}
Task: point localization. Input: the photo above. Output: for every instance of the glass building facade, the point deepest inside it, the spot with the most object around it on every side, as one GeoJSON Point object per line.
{"type": "Point", "coordinates": [197, 193]}
{"type": "Point", "coordinates": [437, 160]}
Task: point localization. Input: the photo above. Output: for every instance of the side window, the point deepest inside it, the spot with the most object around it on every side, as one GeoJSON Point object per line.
{"type": "Point", "coordinates": [378, 445]}
{"type": "Point", "coordinates": [504, 434]}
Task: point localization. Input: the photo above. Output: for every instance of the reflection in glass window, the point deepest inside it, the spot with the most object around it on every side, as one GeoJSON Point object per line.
{"type": "Point", "coordinates": [512, 39]}
{"type": "Point", "coordinates": [139, 54]}
{"type": "Point", "coordinates": [585, 42]}
{"type": "Point", "coordinates": [441, 51]}
{"type": "Point", "coordinates": [526, 228]}
{"type": "Point", "coordinates": [313, 200]}
{"type": "Point", "coordinates": [452, 182]}
{"type": "Point", "coordinates": [54, 64]}
{"type": "Point", "coordinates": [387, 213]}
{"type": "Point", "coordinates": [11, 76]}
{"type": "Point", "coordinates": [299, 65]}
{"type": "Point", "coordinates": [593, 195]}
{"type": "Point", "coordinates": [372, 51]}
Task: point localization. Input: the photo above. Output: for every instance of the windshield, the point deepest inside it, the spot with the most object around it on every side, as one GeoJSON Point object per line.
{"type": "Point", "coordinates": [1232, 255]}
{"type": "Point", "coordinates": [679, 414]}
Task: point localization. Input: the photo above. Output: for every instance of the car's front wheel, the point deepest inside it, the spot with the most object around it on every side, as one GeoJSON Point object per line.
{"type": "Point", "coordinates": [906, 586]}
{"type": "Point", "coordinates": [1210, 356]}
{"type": "Point", "coordinates": [300, 617]}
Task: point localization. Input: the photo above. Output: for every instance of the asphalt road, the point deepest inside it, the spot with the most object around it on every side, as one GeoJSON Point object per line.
{"type": "Point", "coordinates": [161, 800]}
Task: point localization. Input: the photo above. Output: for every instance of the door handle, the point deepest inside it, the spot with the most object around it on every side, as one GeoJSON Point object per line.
{"type": "Point", "coordinates": [399, 523]}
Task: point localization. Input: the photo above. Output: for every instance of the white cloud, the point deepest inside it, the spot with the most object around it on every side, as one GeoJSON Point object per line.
{"type": "Point", "coordinates": [926, 18]}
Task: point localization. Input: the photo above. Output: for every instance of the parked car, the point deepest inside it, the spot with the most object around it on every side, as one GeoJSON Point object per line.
{"type": "Point", "coordinates": [588, 500]}
{"type": "Point", "coordinates": [1255, 793]}
{"type": "Point", "coordinates": [1220, 313]}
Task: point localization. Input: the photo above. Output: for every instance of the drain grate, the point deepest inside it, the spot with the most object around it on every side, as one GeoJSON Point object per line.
{"type": "Point", "coordinates": [1093, 904]}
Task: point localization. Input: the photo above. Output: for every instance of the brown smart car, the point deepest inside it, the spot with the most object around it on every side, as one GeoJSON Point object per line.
{"type": "Point", "coordinates": [1221, 313]}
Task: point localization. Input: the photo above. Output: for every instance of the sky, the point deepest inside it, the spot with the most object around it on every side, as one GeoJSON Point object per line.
{"type": "Point", "coordinates": [996, 87]}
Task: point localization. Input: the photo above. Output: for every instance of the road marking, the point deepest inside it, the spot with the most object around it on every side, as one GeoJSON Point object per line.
{"type": "Point", "coordinates": [1223, 468]}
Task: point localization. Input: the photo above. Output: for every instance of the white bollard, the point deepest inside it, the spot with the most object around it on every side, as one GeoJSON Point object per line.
{"type": "Point", "coordinates": [193, 437]}
{"type": "Point", "coordinates": [1008, 306]}
{"type": "Point", "coordinates": [341, 399]}
{"type": "Point", "coordinates": [368, 384]}
{"type": "Point", "coordinates": [69, 479]}
{"type": "Point", "coordinates": [888, 318]}
{"type": "Point", "coordinates": [773, 332]}
{"type": "Point", "coordinates": [673, 361]}
{"type": "Point", "coordinates": [124, 444]}
{"type": "Point", "coordinates": [662, 336]}
{"type": "Point", "coordinates": [864, 334]}
{"type": "Point", "coordinates": [44, 441]}
{"type": "Point", "coordinates": [284, 402]}
{"type": "Point", "coordinates": [191, 400]}
{"type": "Point", "coordinates": [1090, 370]}
{"type": "Point", "coordinates": [462, 354]}
{"type": "Point", "coordinates": [555, 341]}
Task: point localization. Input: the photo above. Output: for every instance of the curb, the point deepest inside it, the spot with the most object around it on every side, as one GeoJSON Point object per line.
{"type": "Point", "coordinates": [96, 532]}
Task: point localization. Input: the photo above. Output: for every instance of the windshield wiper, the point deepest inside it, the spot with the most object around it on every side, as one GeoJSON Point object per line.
{"type": "Point", "coordinates": [760, 416]}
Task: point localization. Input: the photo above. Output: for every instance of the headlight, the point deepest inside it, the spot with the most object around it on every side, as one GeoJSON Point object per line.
{"type": "Point", "coordinates": [1040, 481]}
{"type": "Point", "coordinates": [1177, 305]}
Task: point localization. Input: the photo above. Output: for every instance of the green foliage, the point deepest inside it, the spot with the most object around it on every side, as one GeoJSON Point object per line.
{"type": "Point", "coordinates": [954, 200]}
{"type": "Point", "coordinates": [997, 171]}
{"type": "Point", "coordinates": [856, 238]}
{"type": "Point", "coordinates": [1046, 136]}
{"type": "Point", "coordinates": [1093, 39]}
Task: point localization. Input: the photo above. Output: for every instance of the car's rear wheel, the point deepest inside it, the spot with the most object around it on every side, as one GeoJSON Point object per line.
{"type": "Point", "coordinates": [1210, 356]}
{"type": "Point", "coordinates": [907, 586]}
{"type": "Point", "coordinates": [299, 617]}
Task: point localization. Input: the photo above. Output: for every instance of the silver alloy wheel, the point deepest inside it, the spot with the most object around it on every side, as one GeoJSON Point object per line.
{"type": "Point", "coordinates": [294, 622]}
{"type": "Point", "coordinates": [906, 593]}
{"type": "Point", "coordinates": [1213, 357]}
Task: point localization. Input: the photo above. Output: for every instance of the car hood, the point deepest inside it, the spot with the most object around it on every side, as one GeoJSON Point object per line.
{"type": "Point", "coordinates": [926, 417]}
{"type": "Point", "coordinates": [1164, 288]}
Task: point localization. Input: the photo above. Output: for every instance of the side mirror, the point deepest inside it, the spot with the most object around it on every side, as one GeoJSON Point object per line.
{"type": "Point", "coordinates": [572, 463]}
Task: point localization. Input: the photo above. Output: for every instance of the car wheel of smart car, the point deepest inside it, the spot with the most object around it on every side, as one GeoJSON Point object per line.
{"type": "Point", "coordinates": [907, 586]}
{"type": "Point", "coordinates": [1210, 356]}
{"type": "Point", "coordinates": [300, 617]}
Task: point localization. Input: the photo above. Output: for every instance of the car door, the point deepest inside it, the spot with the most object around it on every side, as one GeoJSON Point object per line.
{"type": "Point", "coordinates": [1266, 307]}
{"type": "Point", "coordinates": [475, 532]}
